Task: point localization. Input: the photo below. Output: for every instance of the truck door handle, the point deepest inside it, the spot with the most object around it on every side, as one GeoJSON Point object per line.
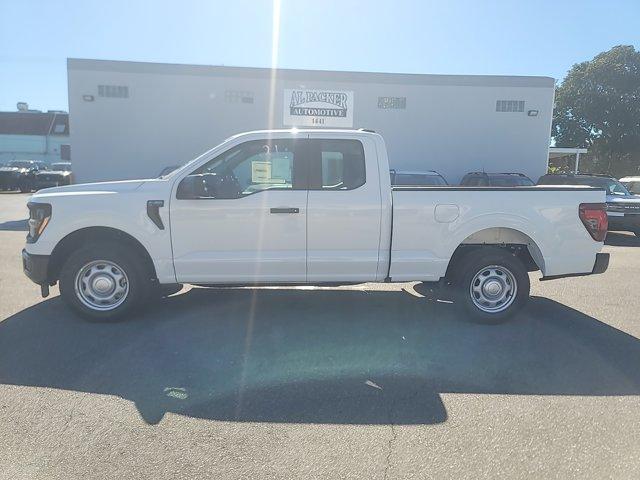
{"type": "Point", "coordinates": [285, 210]}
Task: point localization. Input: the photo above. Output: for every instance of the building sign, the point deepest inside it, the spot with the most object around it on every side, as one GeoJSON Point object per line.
{"type": "Point", "coordinates": [317, 108]}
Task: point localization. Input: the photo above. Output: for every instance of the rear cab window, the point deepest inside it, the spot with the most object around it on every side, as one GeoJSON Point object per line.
{"type": "Point", "coordinates": [336, 164]}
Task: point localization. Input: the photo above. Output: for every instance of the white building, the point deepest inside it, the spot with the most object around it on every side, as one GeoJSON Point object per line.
{"type": "Point", "coordinates": [130, 119]}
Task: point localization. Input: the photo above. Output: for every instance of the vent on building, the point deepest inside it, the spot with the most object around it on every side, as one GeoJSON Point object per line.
{"type": "Point", "coordinates": [113, 91]}
{"type": "Point", "coordinates": [509, 105]}
{"type": "Point", "coordinates": [238, 96]}
{"type": "Point", "coordinates": [392, 102]}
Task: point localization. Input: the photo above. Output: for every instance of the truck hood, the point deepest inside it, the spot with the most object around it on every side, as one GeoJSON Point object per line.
{"type": "Point", "coordinates": [53, 172]}
{"type": "Point", "coordinates": [89, 188]}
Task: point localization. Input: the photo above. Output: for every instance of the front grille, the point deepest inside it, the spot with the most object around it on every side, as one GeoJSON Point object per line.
{"type": "Point", "coordinates": [623, 208]}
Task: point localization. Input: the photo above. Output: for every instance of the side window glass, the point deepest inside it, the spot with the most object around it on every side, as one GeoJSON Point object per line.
{"type": "Point", "coordinates": [249, 168]}
{"type": "Point", "coordinates": [340, 165]}
{"type": "Point", "coordinates": [265, 170]}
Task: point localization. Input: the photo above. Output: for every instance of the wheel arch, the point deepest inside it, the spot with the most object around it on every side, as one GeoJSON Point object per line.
{"type": "Point", "coordinates": [516, 242]}
{"type": "Point", "coordinates": [88, 235]}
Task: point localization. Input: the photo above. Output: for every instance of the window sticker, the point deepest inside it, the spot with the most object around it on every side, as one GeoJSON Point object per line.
{"type": "Point", "coordinates": [260, 172]}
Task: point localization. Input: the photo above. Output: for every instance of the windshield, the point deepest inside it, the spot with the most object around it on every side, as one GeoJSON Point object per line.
{"type": "Point", "coordinates": [614, 187]}
{"type": "Point", "coordinates": [167, 170]}
{"type": "Point", "coordinates": [611, 185]}
{"type": "Point", "coordinates": [191, 162]}
{"type": "Point", "coordinates": [417, 179]}
{"type": "Point", "coordinates": [511, 181]}
{"type": "Point", "coordinates": [633, 187]}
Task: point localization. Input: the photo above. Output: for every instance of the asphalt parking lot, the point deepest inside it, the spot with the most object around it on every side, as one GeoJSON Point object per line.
{"type": "Point", "coordinates": [373, 381]}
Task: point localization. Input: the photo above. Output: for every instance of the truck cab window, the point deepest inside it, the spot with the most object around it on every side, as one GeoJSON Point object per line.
{"type": "Point", "coordinates": [337, 165]}
{"type": "Point", "coordinates": [252, 167]}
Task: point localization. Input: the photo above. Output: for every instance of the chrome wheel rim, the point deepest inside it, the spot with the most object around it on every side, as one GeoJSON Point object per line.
{"type": "Point", "coordinates": [102, 285]}
{"type": "Point", "coordinates": [493, 289]}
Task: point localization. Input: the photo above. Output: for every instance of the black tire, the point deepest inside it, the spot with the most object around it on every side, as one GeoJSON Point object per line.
{"type": "Point", "coordinates": [125, 260]}
{"type": "Point", "coordinates": [478, 268]}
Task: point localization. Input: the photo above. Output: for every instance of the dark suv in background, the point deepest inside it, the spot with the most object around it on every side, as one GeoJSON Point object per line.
{"type": "Point", "coordinates": [623, 208]}
{"type": "Point", "coordinates": [483, 179]}
{"type": "Point", "coordinates": [59, 174]}
{"type": "Point", "coordinates": [424, 178]}
{"type": "Point", "coordinates": [20, 174]}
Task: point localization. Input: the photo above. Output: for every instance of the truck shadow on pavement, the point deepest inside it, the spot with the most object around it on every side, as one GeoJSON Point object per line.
{"type": "Point", "coordinates": [15, 226]}
{"type": "Point", "coordinates": [339, 356]}
{"type": "Point", "coordinates": [619, 239]}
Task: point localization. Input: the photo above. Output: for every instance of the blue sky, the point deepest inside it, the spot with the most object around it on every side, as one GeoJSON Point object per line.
{"type": "Point", "coordinates": [458, 37]}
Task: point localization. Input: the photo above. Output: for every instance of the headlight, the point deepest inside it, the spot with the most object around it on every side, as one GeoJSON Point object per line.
{"type": "Point", "coordinates": [39, 216]}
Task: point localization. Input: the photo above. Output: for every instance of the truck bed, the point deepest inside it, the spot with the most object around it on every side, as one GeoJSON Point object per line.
{"type": "Point", "coordinates": [429, 223]}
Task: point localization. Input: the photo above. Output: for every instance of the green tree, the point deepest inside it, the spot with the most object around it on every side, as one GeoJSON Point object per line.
{"type": "Point", "coordinates": [598, 107]}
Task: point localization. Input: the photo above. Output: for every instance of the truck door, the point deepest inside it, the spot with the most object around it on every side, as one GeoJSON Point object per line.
{"type": "Point", "coordinates": [343, 209]}
{"type": "Point", "coordinates": [249, 226]}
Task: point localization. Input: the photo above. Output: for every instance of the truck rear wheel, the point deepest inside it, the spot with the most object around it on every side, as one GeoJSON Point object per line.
{"type": "Point", "coordinates": [492, 285]}
{"type": "Point", "coordinates": [102, 283]}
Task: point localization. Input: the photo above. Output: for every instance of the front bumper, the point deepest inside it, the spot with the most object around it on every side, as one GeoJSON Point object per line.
{"type": "Point", "coordinates": [36, 267]}
{"type": "Point", "coordinates": [627, 222]}
{"type": "Point", "coordinates": [600, 266]}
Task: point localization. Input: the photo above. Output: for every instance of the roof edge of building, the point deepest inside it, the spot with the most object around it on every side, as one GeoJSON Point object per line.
{"type": "Point", "coordinates": [303, 75]}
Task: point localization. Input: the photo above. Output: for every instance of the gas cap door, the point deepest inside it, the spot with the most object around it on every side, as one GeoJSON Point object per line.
{"type": "Point", "coordinates": [446, 213]}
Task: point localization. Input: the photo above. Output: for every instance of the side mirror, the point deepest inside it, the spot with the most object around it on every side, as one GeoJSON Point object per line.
{"type": "Point", "coordinates": [193, 187]}
{"type": "Point", "coordinates": [208, 185]}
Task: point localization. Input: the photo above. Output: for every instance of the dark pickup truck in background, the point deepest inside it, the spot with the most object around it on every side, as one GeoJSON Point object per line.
{"type": "Point", "coordinates": [623, 208]}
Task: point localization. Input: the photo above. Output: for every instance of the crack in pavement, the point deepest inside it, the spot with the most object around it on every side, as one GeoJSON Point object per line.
{"type": "Point", "coordinates": [393, 438]}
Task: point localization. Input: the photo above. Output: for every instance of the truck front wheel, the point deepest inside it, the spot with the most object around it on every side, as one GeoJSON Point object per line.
{"type": "Point", "coordinates": [102, 283]}
{"type": "Point", "coordinates": [492, 285]}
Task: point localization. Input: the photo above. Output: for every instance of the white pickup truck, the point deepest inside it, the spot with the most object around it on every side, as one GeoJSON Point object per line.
{"type": "Point", "coordinates": [305, 207]}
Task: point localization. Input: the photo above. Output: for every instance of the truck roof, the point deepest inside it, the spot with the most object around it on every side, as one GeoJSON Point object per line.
{"type": "Point", "coordinates": [337, 131]}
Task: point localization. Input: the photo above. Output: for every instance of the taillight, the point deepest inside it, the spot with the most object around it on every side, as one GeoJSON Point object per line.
{"type": "Point", "coordinates": [594, 218]}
